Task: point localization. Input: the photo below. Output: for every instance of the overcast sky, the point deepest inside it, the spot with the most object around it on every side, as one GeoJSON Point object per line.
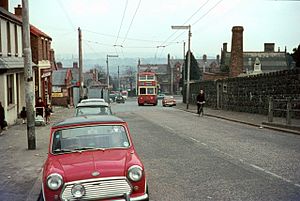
{"type": "Point", "coordinates": [142, 28]}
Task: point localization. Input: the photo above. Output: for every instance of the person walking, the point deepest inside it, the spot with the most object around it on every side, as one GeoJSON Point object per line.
{"type": "Point", "coordinates": [39, 107]}
{"type": "Point", "coordinates": [2, 118]}
{"type": "Point", "coordinates": [48, 111]}
{"type": "Point", "coordinates": [23, 115]}
{"type": "Point", "coordinates": [200, 102]}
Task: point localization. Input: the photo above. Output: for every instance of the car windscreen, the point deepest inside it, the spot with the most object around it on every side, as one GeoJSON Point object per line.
{"type": "Point", "coordinates": [80, 111]}
{"type": "Point", "coordinates": [89, 137]}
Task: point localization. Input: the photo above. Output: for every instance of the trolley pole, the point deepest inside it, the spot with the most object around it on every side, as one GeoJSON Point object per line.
{"type": "Point", "coordinates": [29, 82]}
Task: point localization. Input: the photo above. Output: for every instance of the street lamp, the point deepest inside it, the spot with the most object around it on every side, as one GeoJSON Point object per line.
{"type": "Point", "coordinates": [107, 70]}
{"type": "Point", "coordinates": [188, 61]}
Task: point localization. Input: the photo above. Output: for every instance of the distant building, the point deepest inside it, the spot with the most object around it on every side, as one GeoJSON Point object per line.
{"type": "Point", "coordinates": [62, 87]}
{"type": "Point", "coordinates": [238, 62]}
{"type": "Point", "coordinates": [168, 75]}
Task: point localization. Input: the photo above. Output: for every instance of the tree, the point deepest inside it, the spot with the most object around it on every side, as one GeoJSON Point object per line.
{"type": "Point", "coordinates": [296, 55]}
{"type": "Point", "coordinates": [194, 69]}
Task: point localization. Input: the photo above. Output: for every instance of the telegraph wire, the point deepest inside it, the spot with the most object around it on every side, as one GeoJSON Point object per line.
{"type": "Point", "coordinates": [131, 21]}
{"type": "Point", "coordinates": [132, 39]}
{"type": "Point", "coordinates": [122, 21]}
{"type": "Point", "coordinates": [205, 14]}
{"type": "Point", "coordinates": [176, 31]}
{"type": "Point", "coordinates": [66, 14]}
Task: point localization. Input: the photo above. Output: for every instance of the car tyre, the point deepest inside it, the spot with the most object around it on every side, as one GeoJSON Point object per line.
{"type": "Point", "coordinates": [41, 197]}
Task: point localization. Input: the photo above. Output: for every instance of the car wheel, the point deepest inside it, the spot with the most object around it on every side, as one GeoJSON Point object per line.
{"type": "Point", "coordinates": [41, 198]}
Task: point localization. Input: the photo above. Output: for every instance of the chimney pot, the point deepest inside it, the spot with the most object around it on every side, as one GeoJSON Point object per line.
{"type": "Point", "coordinates": [18, 11]}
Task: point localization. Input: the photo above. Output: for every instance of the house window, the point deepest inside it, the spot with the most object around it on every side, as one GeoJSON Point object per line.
{"type": "Point", "coordinates": [16, 40]}
{"type": "Point", "coordinates": [46, 46]}
{"type": "Point", "coordinates": [10, 89]}
{"type": "Point", "coordinates": [8, 38]}
{"type": "Point", "coordinates": [225, 88]}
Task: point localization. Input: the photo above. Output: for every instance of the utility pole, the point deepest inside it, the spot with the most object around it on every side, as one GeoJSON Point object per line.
{"type": "Point", "coordinates": [80, 63]}
{"type": "Point", "coordinates": [188, 69]}
{"type": "Point", "coordinates": [188, 62]}
{"type": "Point", "coordinates": [29, 84]}
{"type": "Point", "coordinates": [118, 78]}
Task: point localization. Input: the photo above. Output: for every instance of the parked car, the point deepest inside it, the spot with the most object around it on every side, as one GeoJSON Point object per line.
{"type": "Point", "coordinates": [113, 96]}
{"type": "Point", "coordinates": [93, 108]}
{"type": "Point", "coordinates": [93, 158]}
{"type": "Point", "coordinates": [120, 99]}
{"type": "Point", "coordinates": [160, 96]}
{"type": "Point", "coordinates": [168, 101]}
{"type": "Point", "coordinates": [92, 100]}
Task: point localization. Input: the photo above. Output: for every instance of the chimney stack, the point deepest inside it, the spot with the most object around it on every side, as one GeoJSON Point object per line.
{"type": "Point", "coordinates": [4, 4]}
{"type": "Point", "coordinates": [236, 58]}
{"type": "Point", "coordinates": [225, 47]}
{"type": "Point", "coordinates": [218, 59]}
{"type": "Point", "coordinates": [269, 47]}
{"type": "Point", "coordinates": [75, 64]}
{"type": "Point", "coordinates": [204, 57]}
{"type": "Point", "coordinates": [18, 11]}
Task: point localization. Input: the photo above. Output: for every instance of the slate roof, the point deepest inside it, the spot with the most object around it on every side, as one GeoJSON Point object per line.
{"type": "Point", "coordinates": [157, 68]}
{"type": "Point", "coordinates": [58, 77]}
{"type": "Point", "coordinates": [38, 32]}
{"type": "Point", "coordinates": [270, 61]}
{"type": "Point", "coordinates": [274, 61]}
{"type": "Point", "coordinates": [11, 62]}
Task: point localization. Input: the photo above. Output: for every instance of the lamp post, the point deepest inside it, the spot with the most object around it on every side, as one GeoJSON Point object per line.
{"type": "Point", "coordinates": [107, 70]}
{"type": "Point", "coordinates": [188, 62]}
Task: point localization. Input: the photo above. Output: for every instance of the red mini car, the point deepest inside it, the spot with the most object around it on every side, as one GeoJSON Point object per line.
{"type": "Point", "coordinates": [93, 158]}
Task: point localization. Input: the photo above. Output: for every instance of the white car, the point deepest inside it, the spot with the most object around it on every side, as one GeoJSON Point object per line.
{"type": "Point", "coordinates": [93, 108]}
{"type": "Point", "coordinates": [92, 100]}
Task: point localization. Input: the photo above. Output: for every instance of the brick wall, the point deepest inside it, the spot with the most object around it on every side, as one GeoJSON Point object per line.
{"type": "Point", "coordinates": [250, 94]}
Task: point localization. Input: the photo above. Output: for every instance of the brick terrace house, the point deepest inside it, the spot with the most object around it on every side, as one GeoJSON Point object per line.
{"type": "Point", "coordinates": [41, 57]}
{"type": "Point", "coordinates": [62, 87]}
{"type": "Point", "coordinates": [12, 94]}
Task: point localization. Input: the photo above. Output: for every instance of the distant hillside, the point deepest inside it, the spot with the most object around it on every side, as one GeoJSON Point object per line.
{"type": "Point", "coordinates": [113, 62]}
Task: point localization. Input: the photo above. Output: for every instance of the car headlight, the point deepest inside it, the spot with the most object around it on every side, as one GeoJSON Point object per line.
{"type": "Point", "coordinates": [135, 173]}
{"type": "Point", "coordinates": [78, 191]}
{"type": "Point", "coordinates": [54, 181]}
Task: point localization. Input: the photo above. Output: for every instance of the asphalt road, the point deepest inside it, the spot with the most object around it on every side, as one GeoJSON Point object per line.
{"type": "Point", "coordinates": [203, 158]}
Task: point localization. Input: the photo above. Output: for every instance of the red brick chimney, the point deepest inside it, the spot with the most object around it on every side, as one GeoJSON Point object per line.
{"type": "Point", "coordinates": [236, 58]}
{"type": "Point", "coordinates": [4, 4]}
{"type": "Point", "coordinates": [18, 11]}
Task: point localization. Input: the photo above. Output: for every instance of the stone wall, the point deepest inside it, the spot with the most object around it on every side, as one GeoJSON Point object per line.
{"type": "Point", "coordinates": [250, 94]}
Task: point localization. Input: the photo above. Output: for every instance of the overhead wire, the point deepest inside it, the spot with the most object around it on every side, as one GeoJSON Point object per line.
{"type": "Point", "coordinates": [176, 31]}
{"type": "Point", "coordinates": [137, 8]}
{"type": "Point", "coordinates": [122, 21]}
{"type": "Point", "coordinates": [205, 14]}
{"type": "Point", "coordinates": [66, 14]}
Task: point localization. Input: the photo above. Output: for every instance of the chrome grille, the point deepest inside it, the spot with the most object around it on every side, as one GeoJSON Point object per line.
{"type": "Point", "coordinates": [99, 188]}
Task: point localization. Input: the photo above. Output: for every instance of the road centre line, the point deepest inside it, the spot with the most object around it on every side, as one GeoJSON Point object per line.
{"type": "Point", "coordinates": [249, 164]}
{"type": "Point", "coordinates": [194, 139]}
{"type": "Point", "coordinates": [167, 127]}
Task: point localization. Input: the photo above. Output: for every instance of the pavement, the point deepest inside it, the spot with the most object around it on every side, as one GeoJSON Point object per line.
{"type": "Point", "coordinates": [20, 175]}
{"type": "Point", "coordinates": [257, 120]}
